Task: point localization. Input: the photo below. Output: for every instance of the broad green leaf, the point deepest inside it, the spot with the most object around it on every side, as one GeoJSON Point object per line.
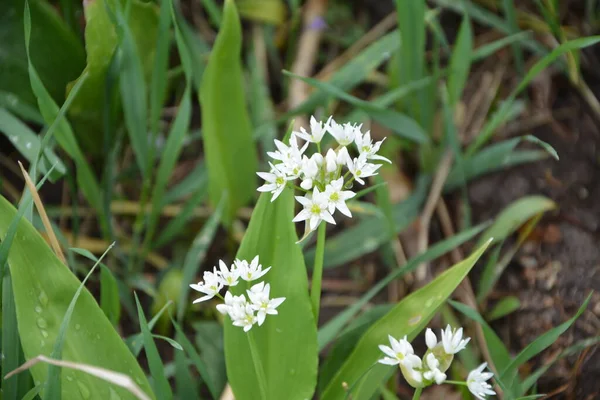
{"type": "Point", "coordinates": [228, 147]}
{"type": "Point", "coordinates": [270, 11]}
{"type": "Point", "coordinates": [287, 342]}
{"type": "Point", "coordinates": [505, 306]}
{"type": "Point", "coordinates": [210, 342]}
{"type": "Point", "coordinates": [460, 62]}
{"type": "Point", "coordinates": [43, 288]}
{"type": "Point", "coordinates": [408, 317]}
{"type": "Point", "coordinates": [101, 40]}
{"type": "Point", "coordinates": [399, 123]}
{"type": "Point", "coordinates": [109, 296]}
{"type": "Point", "coordinates": [185, 385]}
{"type": "Point", "coordinates": [509, 374]}
{"type": "Point", "coordinates": [515, 215]}
{"type": "Point", "coordinates": [11, 344]}
{"type": "Point", "coordinates": [57, 54]}
{"type": "Point", "coordinates": [330, 330]}
{"type": "Point", "coordinates": [161, 384]}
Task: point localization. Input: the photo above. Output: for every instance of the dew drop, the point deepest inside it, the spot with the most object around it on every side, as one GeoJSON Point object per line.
{"type": "Point", "coordinates": [44, 333]}
{"type": "Point", "coordinates": [139, 381]}
{"type": "Point", "coordinates": [83, 389]}
{"type": "Point", "coordinates": [292, 371]}
{"type": "Point", "coordinates": [69, 378]}
{"type": "Point", "coordinates": [278, 330]}
{"type": "Point", "coordinates": [77, 327]}
{"type": "Point", "coordinates": [14, 139]}
{"type": "Point", "coordinates": [38, 309]}
{"type": "Point", "coordinates": [414, 320]}
{"type": "Point", "coordinates": [42, 343]}
{"type": "Point", "coordinates": [97, 336]}
{"type": "Point", "coordinates": [41, 323]}
{"type": "Point", "coordinates": [28, 145]}
{"type": "Point", "coordinates": [43, 298]}
{"type": "Point", "coordinates": [429, 302]}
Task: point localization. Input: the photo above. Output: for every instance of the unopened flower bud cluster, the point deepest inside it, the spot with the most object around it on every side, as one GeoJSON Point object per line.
{"type": "Point", "coordinates": [420, 373]}
{"type": "Point", "coordinates": [325, 179]}
{"type": "Point", "coordinates": [244, 312]}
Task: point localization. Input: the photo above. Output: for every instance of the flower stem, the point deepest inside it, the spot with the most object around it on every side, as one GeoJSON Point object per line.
{"type": "Point", "coordinates": [258, 367]}
{"type": "Point", "coordinates": [317, 275]}
{"type": "Point", "coordinates": [456, 383]}
{"type": "Point", "coordinates": [417, 394]}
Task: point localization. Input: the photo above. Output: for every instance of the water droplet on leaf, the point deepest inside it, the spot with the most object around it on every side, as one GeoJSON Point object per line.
{"type": "Point", "coordinates": [83, 389]}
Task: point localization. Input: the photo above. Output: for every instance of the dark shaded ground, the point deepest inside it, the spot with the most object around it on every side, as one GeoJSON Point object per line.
{"type": "Point", "coordinates": [553, 273]}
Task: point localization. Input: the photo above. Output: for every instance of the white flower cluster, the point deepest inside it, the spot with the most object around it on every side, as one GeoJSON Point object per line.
{"type": "Point", "coordinates": [244, 312]}
{"type": "Point", "coordinates": [322, 177]}
{"type": "Point", "coordinates": [439, 356]}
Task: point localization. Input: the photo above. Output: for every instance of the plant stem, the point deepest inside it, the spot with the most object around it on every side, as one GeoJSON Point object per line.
{"type": "Point", "coordinates": [417, 394]}
{"type": "Point", "coordinates": [456, 383]}
{"type": "Point", "coordinates": [317, 276]}
{"type": "Point", "coordinates": [258, 367]}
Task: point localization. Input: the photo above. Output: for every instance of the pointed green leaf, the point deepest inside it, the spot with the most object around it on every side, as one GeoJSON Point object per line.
{"type": "Point", "coordinates": [44, 288]}
{"type": "Point", "coordinates": [408, 317]}
{"type": "Point", "coordinates": [460, 63]}
{"type": "Point", "coordinates": [228, 147]}
{"type": "Point", "coordinates": [287, 342]}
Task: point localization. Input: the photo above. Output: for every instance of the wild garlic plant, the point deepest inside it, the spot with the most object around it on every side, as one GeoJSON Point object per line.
{"type": "Point", "coordinates": [420, 373]}
{"type": "Point", "coordinates": [243, 312]}
{"type": "Point", "coordinates": [326, 178]}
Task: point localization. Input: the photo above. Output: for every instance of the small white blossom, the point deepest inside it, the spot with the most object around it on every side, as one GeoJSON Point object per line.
{"type": "Point", "coordinates": [360, 168]}
{"type": "Point", "coordinates": [344, 134]}
{"type": "Point", "coordinates": [228, 277]}
{"type": "Point", "coordinates": [310, 172]}
{"type": "Point", "coordinates": [400, 352]}
{"type": "Point", "coordinates": [242, 315]}
{"type": "Point", "coordinates": [287, 154]}
{"type": "Point", "coordinates": [275, 181]}
{"type": "Point", "coordinates": [434, 373]}
{"type": "Point", "coordinates": [230, 301]}
{"type": "Point", "coordinates": [365, 146]}
{"type": "Point", "coordinates": [260, 301]}
{"type": "Point", "coordinates": [336, 197]}
{"type": "Point", "coordinates": [331, 164]}
{"type": "Point", "coordinates": [210, 286]}
{"type": "Point", "coordinates": [476, 382]}
{"type": "Point", "coordinates": [430, 338]}
{"type": "Point", "coordinates": [250, 271]}
{"type": "Point", "coordinates": [317, 131]}
{"type": "Point", "coordinates": [452, 340]}
{"type": "Point", "coordinates": [343, 156]}
{"type": "Point", "coordinates": [315, 210]}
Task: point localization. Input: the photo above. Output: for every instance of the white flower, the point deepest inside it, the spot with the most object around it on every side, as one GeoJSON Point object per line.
{"type": "Point", "coordinates": [230, 302]}
{"type": "Point", "coordinates": [310, 171]}
{"type": "Point", "coordinates": [430, 339]}
{"type": "Point", "coordinates": [331, 164]}
{"type": "Point", "coordinates": [276, 181]}
{"type": "Point", "coordinates": [401, 352]}
{"type": "Point", "coordinates": [242, 315]}
{"type": "Point", "coordinates": [228, 277]}
{"type": "Point", "coordinates": [343, 156]}
{"type": "Point", "coordinates": [434, 373]}
{"type": "Point", "coordinates": [452, 340]}
{"type": "Point", "coordinates": [315, 210]}
{"type": "Point", "coordinates": [287, 154]}
{"type": "Point", "coordinates": [259, 299]}
{"type": "Point", "coordinates": [250, 272]}
{"type": "Point", "coordinates": [476, 382]}
{"type": "Point", "coordinates": [336, 197]}
{"type": "Point", "coordinates": [210, 286]}
{"type": "Point", "coordinates": [317, 131]}
{"type": "Point", "coordinates": [360, 168]}
{"type": "Point", "coordinates": [367, 148]}
{"type": "Point", "coordinates": [343, 134]}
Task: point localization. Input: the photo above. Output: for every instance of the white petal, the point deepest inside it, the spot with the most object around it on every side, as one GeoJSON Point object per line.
{"type": "Point", "coordinates": [388, 361]}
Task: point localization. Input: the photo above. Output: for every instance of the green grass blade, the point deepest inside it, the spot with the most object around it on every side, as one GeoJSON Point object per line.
{"type": "Point", "coordinates": [504, 307]}
{"type": "Point", "coordinates": [195, 180]}
{"type": "Point", "coordinates": [161, 384]}
{"type": "Point", "coordinates": [408, 317]}
{"type": "Point", "coordinates": [509, 374]}
{"type": "Point", "coordinates": [399, 123]}
{"type": "Point", "coordinates": [18, 107]}
{"type": "Point", "coordinates": [196, 360]}
{"type": "Point", "coordinates": [498, 350]}
{"type": "Point", "coordinates": [510, 13]}
{"type": "Point", "coordinates": [460, 62]}
{"type": "Point", "coordinates": [230, 152]}
{"type": "Point", "coordinates": [351, 243]}
{"type": "Point", "coordinates": [488, 49]}
{"type": "Point", "coordinates": [11, 345]}
{"type": "Point", "coordinates": [158, 84]}
{"type": "Point", "coordinates": [185, 385]}
{"type": "Point", "coordinates": [331, 329]}
{"type": "Point", "coordinates": [195, 256]}
{"type": "Point", "coordinates": [109, 296]}
{"type": "Point", "coordinates": [53, 383]}
{"type": "Point", "coordinates": [28, 144]}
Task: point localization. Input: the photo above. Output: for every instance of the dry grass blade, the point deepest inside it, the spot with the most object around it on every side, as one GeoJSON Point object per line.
{"type": "Point", "coordinates": [115, 378]}
{"type": "Point", "coordinates": [42, 211]}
